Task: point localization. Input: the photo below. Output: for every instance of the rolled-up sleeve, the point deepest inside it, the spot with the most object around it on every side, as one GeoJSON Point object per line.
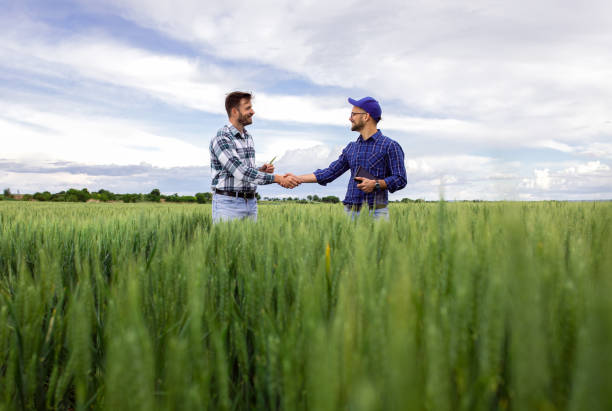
{"type": "Point", "coordinates": [231, 162]}
{"type": "Point", "coordinates": [335, 169]}
{"type": "Point", "coordinates": [397, 180]}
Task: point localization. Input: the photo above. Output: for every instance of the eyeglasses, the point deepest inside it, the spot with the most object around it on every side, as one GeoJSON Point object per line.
{"type": "Point", "coordinates": [354, 114]}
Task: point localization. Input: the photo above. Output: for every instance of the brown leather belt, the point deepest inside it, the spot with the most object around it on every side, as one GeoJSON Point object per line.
{"type": "Point", "coordinates": [236, 194]}
{"type": "Point", "coordinates": [357, 207]}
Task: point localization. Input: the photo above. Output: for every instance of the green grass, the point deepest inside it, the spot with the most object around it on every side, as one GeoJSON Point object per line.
{"type": "Point", "coordinates": [448, 306]}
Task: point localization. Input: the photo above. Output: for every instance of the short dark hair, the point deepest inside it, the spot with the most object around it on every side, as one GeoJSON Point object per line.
{"type": "Point", "coordinates": [233, 99]}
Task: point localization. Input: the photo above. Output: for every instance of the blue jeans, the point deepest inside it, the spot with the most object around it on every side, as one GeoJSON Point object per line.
{"type": "Point", "coordinates": [376, 213]}
{"type": "Point", "coordinates": [226, 208]}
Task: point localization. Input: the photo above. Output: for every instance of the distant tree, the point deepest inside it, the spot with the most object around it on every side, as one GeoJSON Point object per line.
{"type": "Point", "coordinates": [131, 198]}
{"type": "Point", "coordinates": [330, 199]}
{"type": "Point", "coordinates": [257, 196]}
{"type": "Point", "coordinates": [154, 195]}
{"type": "Point", "coordinates": [44, 196]}
{"type": "Point", "coordinates": [75, 195]}
{"type": "Point", "coordinates": [203, 198]}
{"type": "Point", "coordinates": [61, 196]}
{"type": "Point", "coordinates": [84, 195]}
{"type": "Point", "coordinates": [174, 198]}
{"type": "Point", "coordinates": [316, 198]}
{"type": "Point", "coordinates": [7, 193]}
{"type": "Point", "coordinates": [104, 195]}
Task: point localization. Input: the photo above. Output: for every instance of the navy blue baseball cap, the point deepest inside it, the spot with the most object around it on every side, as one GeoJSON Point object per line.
{"type": "Point", "coordinates": [370, 105]}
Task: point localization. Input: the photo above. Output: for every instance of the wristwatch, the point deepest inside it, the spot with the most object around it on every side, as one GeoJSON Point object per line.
{"type": "Point", "coordinates": [377, 186]}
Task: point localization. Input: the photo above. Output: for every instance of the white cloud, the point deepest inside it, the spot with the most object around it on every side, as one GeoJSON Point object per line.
{"type": "Point", "coordinates": [592, 177]}
{"type": "Point", "coordinates": [175, 79]}
{"type": "Point", "coordinates": [492, 63]}
{"type": "Point", "coordinates": [555, 145]}
{"type": "Point", "coordinates": [31, 134]}
{"type": "Point", "coordinates": [460, 177]}
{"type": "Point", "coordinates": [306, 160]}
{"type": "Point", "coordinates": [270, 143]}
{"type": "Point", "coordinates": [196, 84]}
{"type": "Point", "coordinates": [33, 182]}
{"type": "Point", "coordinates": [590, 168]}
{"type": "Point", "coordinates": [598, 150]}
{"type": "Point", "coordinates": [30, 177]}
{"type": "Point", "coordinates": [427, 167]}
{"type": "Point", "coordinates": [542, 179]}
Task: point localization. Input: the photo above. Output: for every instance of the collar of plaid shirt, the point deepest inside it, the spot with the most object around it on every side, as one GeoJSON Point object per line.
{"type": "Point", "coordinates": [373, 137]}
{"type": "Point", "coordinates": [236, 133]}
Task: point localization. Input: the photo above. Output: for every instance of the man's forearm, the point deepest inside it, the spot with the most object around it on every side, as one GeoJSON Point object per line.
{"type": "Point", "coordinates": [307, 178]}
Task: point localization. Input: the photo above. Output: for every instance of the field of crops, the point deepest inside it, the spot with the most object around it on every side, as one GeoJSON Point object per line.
{"type": "Point", "coordinates": [448, 306]}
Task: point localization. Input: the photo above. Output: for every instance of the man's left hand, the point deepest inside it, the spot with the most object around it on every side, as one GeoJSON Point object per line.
{"type": "Point", "coordinates": [267, 168]}
{"type": "Point", "coordinates": [366, 185]}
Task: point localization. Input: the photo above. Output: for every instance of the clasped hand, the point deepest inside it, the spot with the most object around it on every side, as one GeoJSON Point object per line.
{"type": "Point", "coordinates": [289, 181]}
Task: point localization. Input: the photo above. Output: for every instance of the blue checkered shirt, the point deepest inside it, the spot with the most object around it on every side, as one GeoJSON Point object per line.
{"type": "Point", "coordinates": [381, 156]}
{"type": "Point", "coordinates": [232, 161]}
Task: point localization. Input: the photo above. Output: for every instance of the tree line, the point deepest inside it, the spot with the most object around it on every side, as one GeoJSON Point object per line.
{"type": "Point", "coordinates": [102, 195]}
{"type": "Point", "coordinates": [155, 196]}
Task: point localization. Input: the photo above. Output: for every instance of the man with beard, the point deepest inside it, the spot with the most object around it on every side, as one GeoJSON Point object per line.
{"type": "Point", "coordinates": [380, 157]}
{"type": "Point", "coordinates": [232, 160]}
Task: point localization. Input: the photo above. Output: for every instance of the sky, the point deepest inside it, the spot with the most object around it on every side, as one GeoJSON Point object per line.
{"type": "Point", "coordinates": [490, 100]}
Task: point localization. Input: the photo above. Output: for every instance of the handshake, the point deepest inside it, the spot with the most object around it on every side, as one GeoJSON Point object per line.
{"type": "Point", "coordinates": [287, 180]}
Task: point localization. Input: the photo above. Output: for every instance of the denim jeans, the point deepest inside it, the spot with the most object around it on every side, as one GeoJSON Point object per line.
{"type": "Point", "coordinates": [376, 213]}
{"type": "Point", "coordinates": [226, 208]}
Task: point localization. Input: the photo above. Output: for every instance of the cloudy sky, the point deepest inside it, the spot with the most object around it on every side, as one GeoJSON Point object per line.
{"type": "Point", "coordinates": [489, 99]}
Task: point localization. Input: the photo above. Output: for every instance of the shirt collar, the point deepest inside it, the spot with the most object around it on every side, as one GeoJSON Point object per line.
{"type": "Point", "coordinates": [373, 137]}
{"type": "Point", "coordinates": [235, 132]}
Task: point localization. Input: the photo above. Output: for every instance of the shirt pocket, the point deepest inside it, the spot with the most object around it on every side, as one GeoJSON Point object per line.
{"type": "Point", "coordinates": [376, 163]}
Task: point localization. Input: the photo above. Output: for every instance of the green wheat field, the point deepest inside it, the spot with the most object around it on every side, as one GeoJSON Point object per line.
{"type": "Point", "coordinates": [447, 306]}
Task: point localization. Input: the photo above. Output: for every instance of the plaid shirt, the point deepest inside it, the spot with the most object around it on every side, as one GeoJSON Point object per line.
{"type": "Point", "coordinates": [381, 156]}
{"type": "Point", "coordinates": [232, 161]}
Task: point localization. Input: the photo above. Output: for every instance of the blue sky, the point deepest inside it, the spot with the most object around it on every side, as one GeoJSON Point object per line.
{"type": "Point", "coordinates": [489, 100]}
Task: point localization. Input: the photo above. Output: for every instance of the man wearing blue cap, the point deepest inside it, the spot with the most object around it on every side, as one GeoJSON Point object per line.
{"type": "Point", "coordinates": [378, 155]}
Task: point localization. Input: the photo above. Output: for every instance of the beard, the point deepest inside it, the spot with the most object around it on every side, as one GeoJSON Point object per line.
{"type": "Point", "coordinates": [245, 119]}
{"type": "Point", "coordinates": [356, 127]}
